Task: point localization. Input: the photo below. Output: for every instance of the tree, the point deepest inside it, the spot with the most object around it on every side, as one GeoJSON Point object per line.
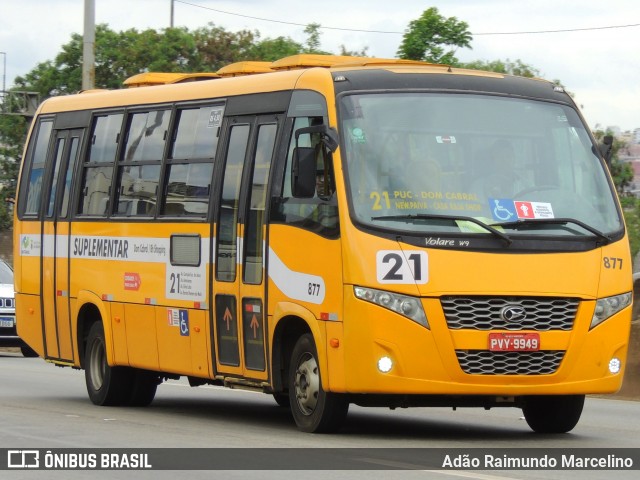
{"type": "Point", "coordinates": [508, 67]}
{"type": "Point", "coordinates": [118, 55]}
{"type": "Point", "coordinates": [434, 38]}
{"type": "Point", "coordinates": [272, 49]}
{"type": "Point", "coordinates": [313, 38]}
{"type": "Point", "coordinates": [12, 132]}
{"type": "Point", "coordinates": [217, 47]}
{"type": "Point", "coordinates": [621, 172]}
{"type": "Point", "coordinates": [353, 53]}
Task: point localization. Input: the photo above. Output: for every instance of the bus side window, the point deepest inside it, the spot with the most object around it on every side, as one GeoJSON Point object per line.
{"type": "Point", "coordinates": [226, 235]}
{"type": "Point", "coordinates": [29, 204]}
{"type": "Point", "coordinates": [139, 169]}
{"type": "Point", "coordinates": [253, 257]}
{"type": "Point", "coordinates": [320, 212]}
{"type": "Point", "coordinates": [98, 169]}
{"type": "Point", "coordinates": [189, 169]}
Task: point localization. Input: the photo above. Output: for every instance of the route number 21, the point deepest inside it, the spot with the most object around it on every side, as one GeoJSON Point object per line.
{"type": "Point", "coordinates": [402, 266]}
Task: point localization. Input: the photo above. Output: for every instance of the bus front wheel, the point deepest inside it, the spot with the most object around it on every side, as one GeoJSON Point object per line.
{"type": "Point", "coordinates": [553, 413]}
{"type": "Point", "coordinates": [106, 386]}
{"type": "Point", "coordinates": [313, 409]}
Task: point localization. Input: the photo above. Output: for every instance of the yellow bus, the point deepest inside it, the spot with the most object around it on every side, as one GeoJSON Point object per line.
{"type": "Point", "coordinates": [330, 231]}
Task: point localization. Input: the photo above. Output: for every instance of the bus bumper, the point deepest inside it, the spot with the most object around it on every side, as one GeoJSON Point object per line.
{"type": "Point", "coordinates": [386, 353]}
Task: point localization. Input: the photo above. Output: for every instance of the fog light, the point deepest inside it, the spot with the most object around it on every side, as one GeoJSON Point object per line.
{"type": "Point", "coordinates": [385, 364]}
{"type": "Point", "coordinates": [615, 365]}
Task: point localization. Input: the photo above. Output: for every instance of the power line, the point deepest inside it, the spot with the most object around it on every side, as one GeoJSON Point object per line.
{"type": "Point", "coordinates": [565, 30]}
{"type": "Point", "coordinates": [281, 21]}
{"type": "Point", "coordinates": [560, 31]}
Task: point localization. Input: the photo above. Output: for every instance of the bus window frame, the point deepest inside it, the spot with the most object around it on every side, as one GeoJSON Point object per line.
{"type": "Point", "coordinates": [24, 182]}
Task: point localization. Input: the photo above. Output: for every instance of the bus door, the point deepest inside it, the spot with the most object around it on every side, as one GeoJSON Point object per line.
{"type": "Point", "coordinates": [55, 252]}
{"type": "Point", "coordinates": [239, 277]}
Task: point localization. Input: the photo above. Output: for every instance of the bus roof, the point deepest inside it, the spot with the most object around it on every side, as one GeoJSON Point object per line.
{"type": "Point", "coordinates": [160, 78]}
{"type": "Point", "coordinates": [245, 68]}
{"type": "Point", "coordinates": [287, 74]}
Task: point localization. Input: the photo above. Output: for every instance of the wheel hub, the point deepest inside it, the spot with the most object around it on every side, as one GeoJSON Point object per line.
{"type": "Point", "coordinates": [307, 384]}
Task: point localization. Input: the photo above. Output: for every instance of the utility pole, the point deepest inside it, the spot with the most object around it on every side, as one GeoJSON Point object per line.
{"type": "Point", "coordinates": [4, 76]}
{"type": "Point", "coordinates": [171, 22]}
{"type": "Point", "coordinates": [88, 46]}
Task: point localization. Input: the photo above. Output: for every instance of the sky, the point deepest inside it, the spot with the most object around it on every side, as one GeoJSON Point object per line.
{"type": "Point", "coordinates": [598, 60]}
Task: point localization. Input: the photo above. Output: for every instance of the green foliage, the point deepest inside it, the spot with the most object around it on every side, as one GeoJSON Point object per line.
{"type": "Point", "coordinates": [622, 172]}
{"type": "Point", "coordinates": [272, 49]}
{"type": "Point", "coordinates": [353, 53]}
{"type": "Point", "coordinates": [518, 67]}
{"type": "Point", "coordinates": [622, 175]}
{"type": "Point", "coordinates": [12, 132]}
{"type": "Point", "coordinates": [313, 38]}
{"type": "Point", "coordinates": [120, 55]}
{"type": "Point", "coordinates": [216, 47]}
{"type": "Point", "coordinates": [434, 38]}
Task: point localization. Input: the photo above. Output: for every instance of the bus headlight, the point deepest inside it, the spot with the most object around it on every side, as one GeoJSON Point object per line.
{"type": "Point", "coordinates": [606, 307]}
{"type": "Point", "coordinates": [407, 306]}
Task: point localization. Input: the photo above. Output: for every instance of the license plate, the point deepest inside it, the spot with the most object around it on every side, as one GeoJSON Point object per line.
{"type": "Point", "coordinates": [514, 342]}
{"type": "Point", "coordinates": [7, 322]}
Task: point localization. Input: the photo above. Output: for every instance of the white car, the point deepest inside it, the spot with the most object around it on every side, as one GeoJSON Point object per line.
{"type": "Point", "coordinates": [8, 334]}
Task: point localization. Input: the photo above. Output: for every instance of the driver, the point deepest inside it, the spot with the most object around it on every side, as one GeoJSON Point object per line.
{"type": "Point", "coordinates": [500, 178]}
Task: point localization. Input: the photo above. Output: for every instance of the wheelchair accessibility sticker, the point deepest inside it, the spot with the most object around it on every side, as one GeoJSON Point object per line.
{"type": "Point", "coordinates": [507, 210]}
{"type": "Point", "coordinates": [178, 317]}
{"type": "Point", "coordinates": [503, 209]}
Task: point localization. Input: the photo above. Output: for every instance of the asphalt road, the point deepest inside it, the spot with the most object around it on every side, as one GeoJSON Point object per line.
{"type": "Point", "coordinates": [46, 407]}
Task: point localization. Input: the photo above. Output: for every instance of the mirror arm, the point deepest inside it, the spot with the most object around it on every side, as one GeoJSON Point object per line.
{"type": "Point", "coordinates": [329, 135]}
{"type": "Point", "coordinates": [606, 149]}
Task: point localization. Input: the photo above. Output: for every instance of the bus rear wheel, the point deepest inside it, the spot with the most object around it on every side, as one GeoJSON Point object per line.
{"type": "Point", "coordinates": [106, 385]}
{"type": "Point", "coordinates": [553, 413]}
{"type": "Point", "coordinates": [143, 387]}
{"type": "Point", "coordinates": [313, 409]}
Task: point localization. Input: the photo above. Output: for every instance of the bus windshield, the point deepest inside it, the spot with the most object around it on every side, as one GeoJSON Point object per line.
{"type": "Point", "coordinates": [428, 162]}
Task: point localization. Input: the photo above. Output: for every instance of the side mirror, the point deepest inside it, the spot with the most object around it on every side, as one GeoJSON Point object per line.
{"type": "Point", "coordinates": [329, 135]}
{"type": "Point", "coordinates": [606, 149]}
{"type": "Point", "coordinates": [303, 178]}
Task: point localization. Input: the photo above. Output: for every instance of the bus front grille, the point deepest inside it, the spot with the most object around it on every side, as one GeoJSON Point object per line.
{"type": "Point", "coordinates": [485, 362]}
{"type": "Point", "coordinates": [493, 313]}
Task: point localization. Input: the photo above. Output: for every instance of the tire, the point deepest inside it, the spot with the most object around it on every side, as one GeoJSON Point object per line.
{"type": "Point", "coordinates": [313, 409]}
{"type": "Point", "coordinates": [143, 388]}
{"type": "Point", "coordinates": [553, 413]}
{"type": "Point", "coordinates": [106, 386]}
{"type": "Point", "coordinates": [28, 352]}
{"type": "Point", "coordinates": [282, 399]}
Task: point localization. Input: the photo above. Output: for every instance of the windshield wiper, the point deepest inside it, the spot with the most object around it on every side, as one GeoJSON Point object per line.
{"type": "Point", "coordinates": [531, 223]}
{"type": "Point", "coordinates": [452, 219]}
